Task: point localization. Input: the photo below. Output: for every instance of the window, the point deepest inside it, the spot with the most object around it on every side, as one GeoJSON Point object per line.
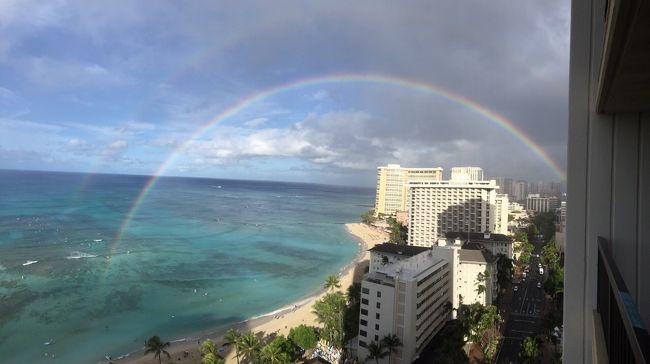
{"type": "Point", "coordinates": [377, 327]}
{"type": "Point", "coordinates": [365, 290]}
{"type": "Point", "coordinates": [364, 301]}
{"type": "Point", "coordinates": [364, 312]}
{"type": "Point", "coordinates": [362, 343]}
{"type": "Point", "coordinates": [363, 322]}
{"type": "Point", "coordinates": [376, 338]}
{"type": "Point", "coordinates": [376, 315]}
{"type": "Point", "coordinates": [363, 333]}
{"type": "Point", "coordinates": [378, 294]}
{"type": "Point", "coordinates": [378, 305]}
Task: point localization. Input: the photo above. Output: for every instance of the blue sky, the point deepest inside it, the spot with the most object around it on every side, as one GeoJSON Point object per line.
{"type": "Point", "coordinates": [119, 86]}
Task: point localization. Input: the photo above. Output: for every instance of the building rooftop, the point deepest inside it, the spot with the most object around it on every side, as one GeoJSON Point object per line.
{"type": "Point", "coordinates": [480, 237]}
{"type": "Point", "coordinates": [398, 249]}
{"type": "Point", "coordinates": [475, 256]}
{"type": "Point", "coordinates": [407, 269]}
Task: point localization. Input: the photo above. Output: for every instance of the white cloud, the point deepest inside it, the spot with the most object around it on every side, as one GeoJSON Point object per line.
{"type": "Point", "coordinates": [255, 122]}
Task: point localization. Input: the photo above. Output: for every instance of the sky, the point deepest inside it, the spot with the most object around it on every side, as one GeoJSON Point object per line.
{"type": "Point", "coordinates": [129, 87]}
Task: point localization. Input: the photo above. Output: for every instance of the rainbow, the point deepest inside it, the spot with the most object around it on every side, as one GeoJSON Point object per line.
{"type": "Point", "coordinates": [371, 78]}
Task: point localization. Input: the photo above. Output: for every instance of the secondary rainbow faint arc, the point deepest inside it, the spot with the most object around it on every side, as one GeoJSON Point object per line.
{"type": "Point", "coordinates": [381, 79]}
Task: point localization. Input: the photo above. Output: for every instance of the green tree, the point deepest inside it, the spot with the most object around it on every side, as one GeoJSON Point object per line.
{"type": "Point", "coordinates": [504, 270]}
{"type": "Point", "coordinates": [391, 342]}
{"type": "Point", "coordinates": [330, 311]}
{"type": "Point", "coordinates": [530, 351]}
{"type": "Point", "coordinates": [207, 347]}
{"type": "Point", "coordinates": [157, 347]}
{"type": "Point", "coordinates": [481, 279]}
{"type": "Point", "coordinates": [550, 256]}
{"type": "Point", "coordinates": [250, 346]}
{"type": "Point", "coordinates": [368, 217]}
{"type": "Point", "coordinates": [212, 358]}
{"type": "Point", "coordinates": [532, 232]}
{"type": "Point", "coordinates": [398, 232]}
{"type": "Point", "coordinates": [332, 282]}
{"type": "Point", "coordinates": [286, 347]}
{"type": "Point", "coordinates": [304, 336]}
{"type": "Point", "coordinates": [489, 331]}
{"type": "Point", "coordinates": [521, 237]}
{"type": "Point", "coordinates": [233, 337]}
{"type": "Point", "coordinates": [376, 351]}
{"type": "Point", "coordinates": [275, 354]}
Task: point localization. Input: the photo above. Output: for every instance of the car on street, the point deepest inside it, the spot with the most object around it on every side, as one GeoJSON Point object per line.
{"type": "Point", "coordinates": [515, 288]}
{"type": "Point", "coordinates": [539, 285]}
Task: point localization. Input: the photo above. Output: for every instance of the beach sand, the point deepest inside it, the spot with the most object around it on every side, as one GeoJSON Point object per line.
{"type": "Point", "coordinates": [279, 322]}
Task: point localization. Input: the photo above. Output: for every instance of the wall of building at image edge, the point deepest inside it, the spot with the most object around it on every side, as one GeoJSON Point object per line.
{"type": "Point", "coordinates": [608, 188]}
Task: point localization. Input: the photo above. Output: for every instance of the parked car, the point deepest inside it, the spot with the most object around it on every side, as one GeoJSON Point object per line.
{"type": "Point", "coordinates": [515, 288]}
{"type": "Point", "coordinates": [539, 285]}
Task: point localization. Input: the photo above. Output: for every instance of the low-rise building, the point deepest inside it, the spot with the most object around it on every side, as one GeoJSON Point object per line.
{"type": "Point", "coordinates": [408, 298]}
{"type": "Point", "coordinates": [494, 243]}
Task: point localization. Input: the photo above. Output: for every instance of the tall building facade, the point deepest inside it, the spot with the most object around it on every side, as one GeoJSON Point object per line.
{"type": "Point", "coordinates": [501, 214]}
{"type": "Point", "coordinates": [408, 298]}
{"type": "Point", "coordinates": [392, 180]}
{"type": "Point", "coordinates": [534, 202]}
{"type": "Point", "coordinates": [438, 207]}
{"type": "Point", "coordinates": [467, 174]}
{"type": "Point", "coordinates": [520, 190]}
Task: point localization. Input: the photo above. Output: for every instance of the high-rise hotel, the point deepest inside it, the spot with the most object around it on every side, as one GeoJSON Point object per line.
{"type": "Point", "coordinates": [438, 207]}
{"type": "Point", "coordinates": [392, 186]}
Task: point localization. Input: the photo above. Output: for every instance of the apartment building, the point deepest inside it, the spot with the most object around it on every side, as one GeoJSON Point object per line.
{"type": "Point", "coordinates": [386, 254]}
{"type": "Point", "coordinates": [466, 174]}
{"type": "Point", "coordinates": [520, 190]}
{"type": "Point", "coordinates": [408, 298]}
{"type": "Point", "coordinates": [494, 243]}
{"type": "Point", "coordinates": [392, 180]}
{"type": "Point", "coordinates": [502, 209]}
{"type": "Point", "coordinates": [438, 207]}
{"type": "Point", "coordinates": [535, 202]}
{"type": "Point", "coordinates": [466, 262]}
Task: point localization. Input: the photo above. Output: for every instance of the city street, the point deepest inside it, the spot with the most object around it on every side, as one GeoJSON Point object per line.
{"type": "Point", "coordinates": [527, 312]}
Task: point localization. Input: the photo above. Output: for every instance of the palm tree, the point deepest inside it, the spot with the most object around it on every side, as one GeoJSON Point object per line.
{"type": "Point", "coordinates": [250, 346]}
{"type": "Point", "coordinates": [211, 358]}
{"type": "Point", "coordinates": [207, 347]}
{"type": "Point", "coordinates": [376, 351]}
{"type": "Point", "coordinates": [155, 345]}
{"type": "Point", "coordinates": [332, 282]}
{"type": "Point", "coordinates": [232, 337]}
{"type": "Point", "coordinates": [391, 342]}
{"type": "Point", "coordinates": [530, 352]}
{"type": "Point", "coordinates": [273, 354]}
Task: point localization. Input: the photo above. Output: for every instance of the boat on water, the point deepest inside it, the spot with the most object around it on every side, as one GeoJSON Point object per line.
{"type": "Point", "coordinates": [49, 342]}
{"type": "Point", "coordinates": [97, 240]}
{"type": "Point", "coordinates": [30, 262]}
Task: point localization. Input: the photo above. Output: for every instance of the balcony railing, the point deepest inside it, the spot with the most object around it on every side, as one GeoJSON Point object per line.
{"type": "Point", "coordinates": [626, 337]}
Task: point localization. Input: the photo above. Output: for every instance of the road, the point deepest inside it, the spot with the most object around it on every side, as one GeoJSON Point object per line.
{"type": "Point", "coordinates": [526, 313]}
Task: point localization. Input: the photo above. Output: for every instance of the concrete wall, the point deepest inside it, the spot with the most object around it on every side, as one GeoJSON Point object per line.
{"type": "Point", "coordinates": [608, 187]}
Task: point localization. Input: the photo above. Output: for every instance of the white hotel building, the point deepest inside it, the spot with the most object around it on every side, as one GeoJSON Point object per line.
{"type": "Point", "coordinates": [438, 207]}
{"type": "Point", "coordinates": [392, 181]}
{"type": "Point", "coordinates": [406, 297]}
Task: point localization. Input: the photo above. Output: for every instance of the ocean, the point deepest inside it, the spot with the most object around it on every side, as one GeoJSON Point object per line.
{"type": "Point", "coordinates": [197, 254]}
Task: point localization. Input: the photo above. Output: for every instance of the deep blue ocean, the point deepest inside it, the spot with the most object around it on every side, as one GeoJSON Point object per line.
{"type": "Point", "coordinates": [198, 254]}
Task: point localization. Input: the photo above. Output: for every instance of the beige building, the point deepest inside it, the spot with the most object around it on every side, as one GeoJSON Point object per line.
{"type": "Point", "coordinates": [407, 297]}
{"type": "Point", "coordinates": [438, 207]}
{"type": "Point", "coordinates": [466, 174]}
{"type": "Point", "coordinates": [465, 266]}
{"type": "Point", "coordinates": [392, 181]}
{"type": "Point", "coordinates": [501, 214]}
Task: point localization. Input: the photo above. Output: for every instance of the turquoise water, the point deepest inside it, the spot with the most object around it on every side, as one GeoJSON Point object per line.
{"type": "Point", "coordinates": [198, 254]}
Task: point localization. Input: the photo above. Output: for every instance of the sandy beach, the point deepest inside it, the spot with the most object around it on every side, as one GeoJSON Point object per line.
{"type": "Point", "coordinates": [281, 321]}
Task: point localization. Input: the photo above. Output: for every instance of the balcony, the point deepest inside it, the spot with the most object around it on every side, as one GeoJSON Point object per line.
{"type": "Point", "coordinates": [619, 328]}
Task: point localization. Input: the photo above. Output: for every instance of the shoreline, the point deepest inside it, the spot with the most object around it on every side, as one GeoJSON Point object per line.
{"type": "Point", "coordinates": [279, 321]}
